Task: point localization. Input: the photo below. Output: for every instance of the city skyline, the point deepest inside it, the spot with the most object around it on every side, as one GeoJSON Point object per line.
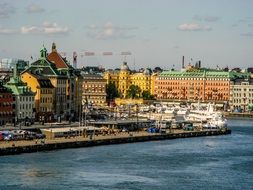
{"type": "Point", "coordinates": [157, 33]}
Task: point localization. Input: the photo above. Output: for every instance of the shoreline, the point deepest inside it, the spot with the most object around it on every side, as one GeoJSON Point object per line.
{"type": "Point", "coordinates": [230, 115]}
{"type": "Point", "coordinates": [78, 142]}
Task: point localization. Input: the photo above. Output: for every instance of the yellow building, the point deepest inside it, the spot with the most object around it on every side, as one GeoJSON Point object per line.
{"type": "Point", "coordinates": [57, 78]}
{"type": "Point", "coordinates": [124, 78]}
{"type": "Point", "coordinates": [44, 94]}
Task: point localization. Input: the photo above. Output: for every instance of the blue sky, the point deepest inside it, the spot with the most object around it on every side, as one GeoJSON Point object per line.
{"type": "Point", "coordinates": [156, 32]}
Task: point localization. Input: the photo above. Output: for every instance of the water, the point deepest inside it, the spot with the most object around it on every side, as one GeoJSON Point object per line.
{"type": "Point", "coordinates": [219, 162]}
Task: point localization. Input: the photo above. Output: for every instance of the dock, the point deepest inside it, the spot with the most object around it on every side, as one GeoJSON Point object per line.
{"type": "Point", "coordinates": [18, 147]}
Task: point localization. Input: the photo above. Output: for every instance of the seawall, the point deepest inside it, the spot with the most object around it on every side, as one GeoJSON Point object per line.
{"type": "Point", "coordinates": [107, 141]}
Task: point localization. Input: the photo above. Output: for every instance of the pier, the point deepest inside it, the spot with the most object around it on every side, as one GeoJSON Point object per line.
{"type": "Point", "coordinates": [18, 147]}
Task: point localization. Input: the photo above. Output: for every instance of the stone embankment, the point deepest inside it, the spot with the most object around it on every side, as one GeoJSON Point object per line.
{"type": "Point", "coordinates": [18, 147]}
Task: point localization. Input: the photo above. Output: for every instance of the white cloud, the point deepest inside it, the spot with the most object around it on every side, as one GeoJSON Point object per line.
{"type": "Point", "coordinates": [109, 31]}
{"type": "Point", "coordinates": [194, 27]}
{"type": "Point", "coordinates": [45, 28]}
{"type": "Point", "coordinates": [33, 8]}
{"type": "Point", "coordinates": [6, 10]}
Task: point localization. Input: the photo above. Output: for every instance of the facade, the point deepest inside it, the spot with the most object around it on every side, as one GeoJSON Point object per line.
{"type": "Point", "coordinates": [58, 79]}
{"type": "Point", "coordinates": [229, 88]}
{"type": "Point", "coordinates": [241, 96]}
{"type": "Point", "coordinates": [24, 98]}
{"type": "Point", "coordinates": [194, 85]}
{"type": "Point", "coordinates": [94, 89]}
{"type": "Point", "coordinates": [73, 84]}
{"type": "Point", "coordinates": [44, 95]}
{"type": "Point", "coordinates": [124, 78]}
{"type": "Point", "coordinates": [7, 106]}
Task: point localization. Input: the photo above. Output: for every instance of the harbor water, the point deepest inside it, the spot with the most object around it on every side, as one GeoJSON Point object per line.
{"type": "Point", "coordinates": [213, 162]}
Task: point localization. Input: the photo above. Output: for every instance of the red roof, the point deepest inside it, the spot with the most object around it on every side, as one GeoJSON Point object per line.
{"type": "Point", "coordinates": [57, 59]}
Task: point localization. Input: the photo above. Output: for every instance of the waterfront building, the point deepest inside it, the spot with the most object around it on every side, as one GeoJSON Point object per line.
{"type": "Point", "coordinates": [58, 79]}
{"type": "Point", "coordinates": [73, 84]}
{"type": "Point", "coordinates": [44, 95]}
{"type": "Point", "coordinates": [124, 78]}
{"type": "Point", "coordinates": [241, 96]}
{"type": "Point", "coordinates": [7, 105]}
{"type": "Point", "coordinates": [94, 89]}
{"type": "Point", "coordinates": [24, 98]}
{"type": "Point", "coordinates": [194, 84]}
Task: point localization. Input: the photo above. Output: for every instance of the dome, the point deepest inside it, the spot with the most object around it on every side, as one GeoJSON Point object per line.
{"type": "Point", "coordinates": [124, 67]}
{"type": "Point", "coordinates": [146, 72]}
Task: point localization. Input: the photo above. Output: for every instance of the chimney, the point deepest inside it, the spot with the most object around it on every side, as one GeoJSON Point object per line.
{"type": "Point", "coordinates": [199, 64]}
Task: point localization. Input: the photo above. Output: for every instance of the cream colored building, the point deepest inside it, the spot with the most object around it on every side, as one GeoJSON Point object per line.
{"type": "Point", "coordinates": [94, 89]}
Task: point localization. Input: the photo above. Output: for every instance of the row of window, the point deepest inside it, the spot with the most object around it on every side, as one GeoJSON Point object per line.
{"type": "Point", "coordinates": [5, 96]}
{"type": "Point", "coordinates": [243, 95]}
{"type": "Point", "coordinates": [238, 101]}
{"type": "Point", "coordinates": [26, 98]}
{"type": "Point", "coordinates": [206, 79]}
{"type": "Point", "coordinates": [26, 106]}
{"type": "Point", "coordinates": [93, 85]}
{"type": "Point", "coordinates": [46, 91]}
{"type": "Point", "coordinates": [244, 89]}
{"type": "Point", "coordinates": [45, 109]}
{"type": "Point", "coordinates": [46, 100]}
{"type": "Point", "coordinates": [25, 114]}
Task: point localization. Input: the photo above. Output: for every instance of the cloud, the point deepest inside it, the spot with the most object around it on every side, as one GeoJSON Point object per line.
{"type": "Point", "coordinates": [46, 28]}
{"type": "Point", "coordinates": [206, 18]}
{"type": "Point", "coordinates": [193, 27]}
{"type": "Point", "coordinates": [247, 34]}
{"type": "Point", "coordinates": [6, 31]}
{"type": "Point", "coordinates": [33, 8]}
{"type": "Point", "coordinates": [6, 10]}
{"type": "Point", "coordinates": [109, 31]}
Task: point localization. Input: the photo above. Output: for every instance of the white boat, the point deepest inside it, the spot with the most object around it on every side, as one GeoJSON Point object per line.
{"type": "Point", "coordinates": [182, 111]}
{"type": "Point", "coordinates": [209, 116]}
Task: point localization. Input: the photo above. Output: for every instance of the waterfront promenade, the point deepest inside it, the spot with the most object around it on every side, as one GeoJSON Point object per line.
{"type": "Point", "coordinates": [17, 147]}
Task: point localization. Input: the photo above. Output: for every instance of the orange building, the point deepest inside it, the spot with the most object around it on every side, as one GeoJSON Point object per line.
{"type": "Point", "coordinates": [194, 85]}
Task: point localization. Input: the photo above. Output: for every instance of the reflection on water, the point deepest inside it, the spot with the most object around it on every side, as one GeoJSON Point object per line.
{"type": "Point", "coordinates": [217, 162]}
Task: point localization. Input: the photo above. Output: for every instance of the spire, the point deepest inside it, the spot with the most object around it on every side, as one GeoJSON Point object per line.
{"type": "Point", "coordinates": [43, 53]}
{"type": "Point", "coordinates": [54, 47]}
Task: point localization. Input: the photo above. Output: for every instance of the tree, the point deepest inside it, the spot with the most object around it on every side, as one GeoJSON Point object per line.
{"type": "Point", "coordinates": [111, 91]}
{"type": "Point", "coordinates": [147, 96]}
{"type": "Point", "coordinates": [133, 91]}
{"type": "Point", "coordinates": [157, 70]}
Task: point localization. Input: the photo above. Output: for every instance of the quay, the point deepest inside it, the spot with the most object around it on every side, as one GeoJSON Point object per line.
{"type": "Point", "coordinates": [18, 147]}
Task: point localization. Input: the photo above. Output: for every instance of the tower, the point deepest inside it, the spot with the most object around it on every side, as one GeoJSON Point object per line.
{"type": "Point", "coordinates": [74, 59]}
{"type": "Point", "coordinates": [54, 47]}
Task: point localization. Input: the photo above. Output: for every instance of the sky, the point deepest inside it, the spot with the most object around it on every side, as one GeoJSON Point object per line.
{"type": "Point", "coordinates": [155, 32]}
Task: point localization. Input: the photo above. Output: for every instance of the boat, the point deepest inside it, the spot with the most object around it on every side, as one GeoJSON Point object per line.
{"type": "Point", "coordinates": [208, 116]}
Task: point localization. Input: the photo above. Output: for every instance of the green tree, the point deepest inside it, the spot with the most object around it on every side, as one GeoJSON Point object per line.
{"type": "Point", "coordinates": [146, 95]}
{"type": "Point", "coordinates": [133, 91]}
{"type": "Point", "coordinates": [111, 91]}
